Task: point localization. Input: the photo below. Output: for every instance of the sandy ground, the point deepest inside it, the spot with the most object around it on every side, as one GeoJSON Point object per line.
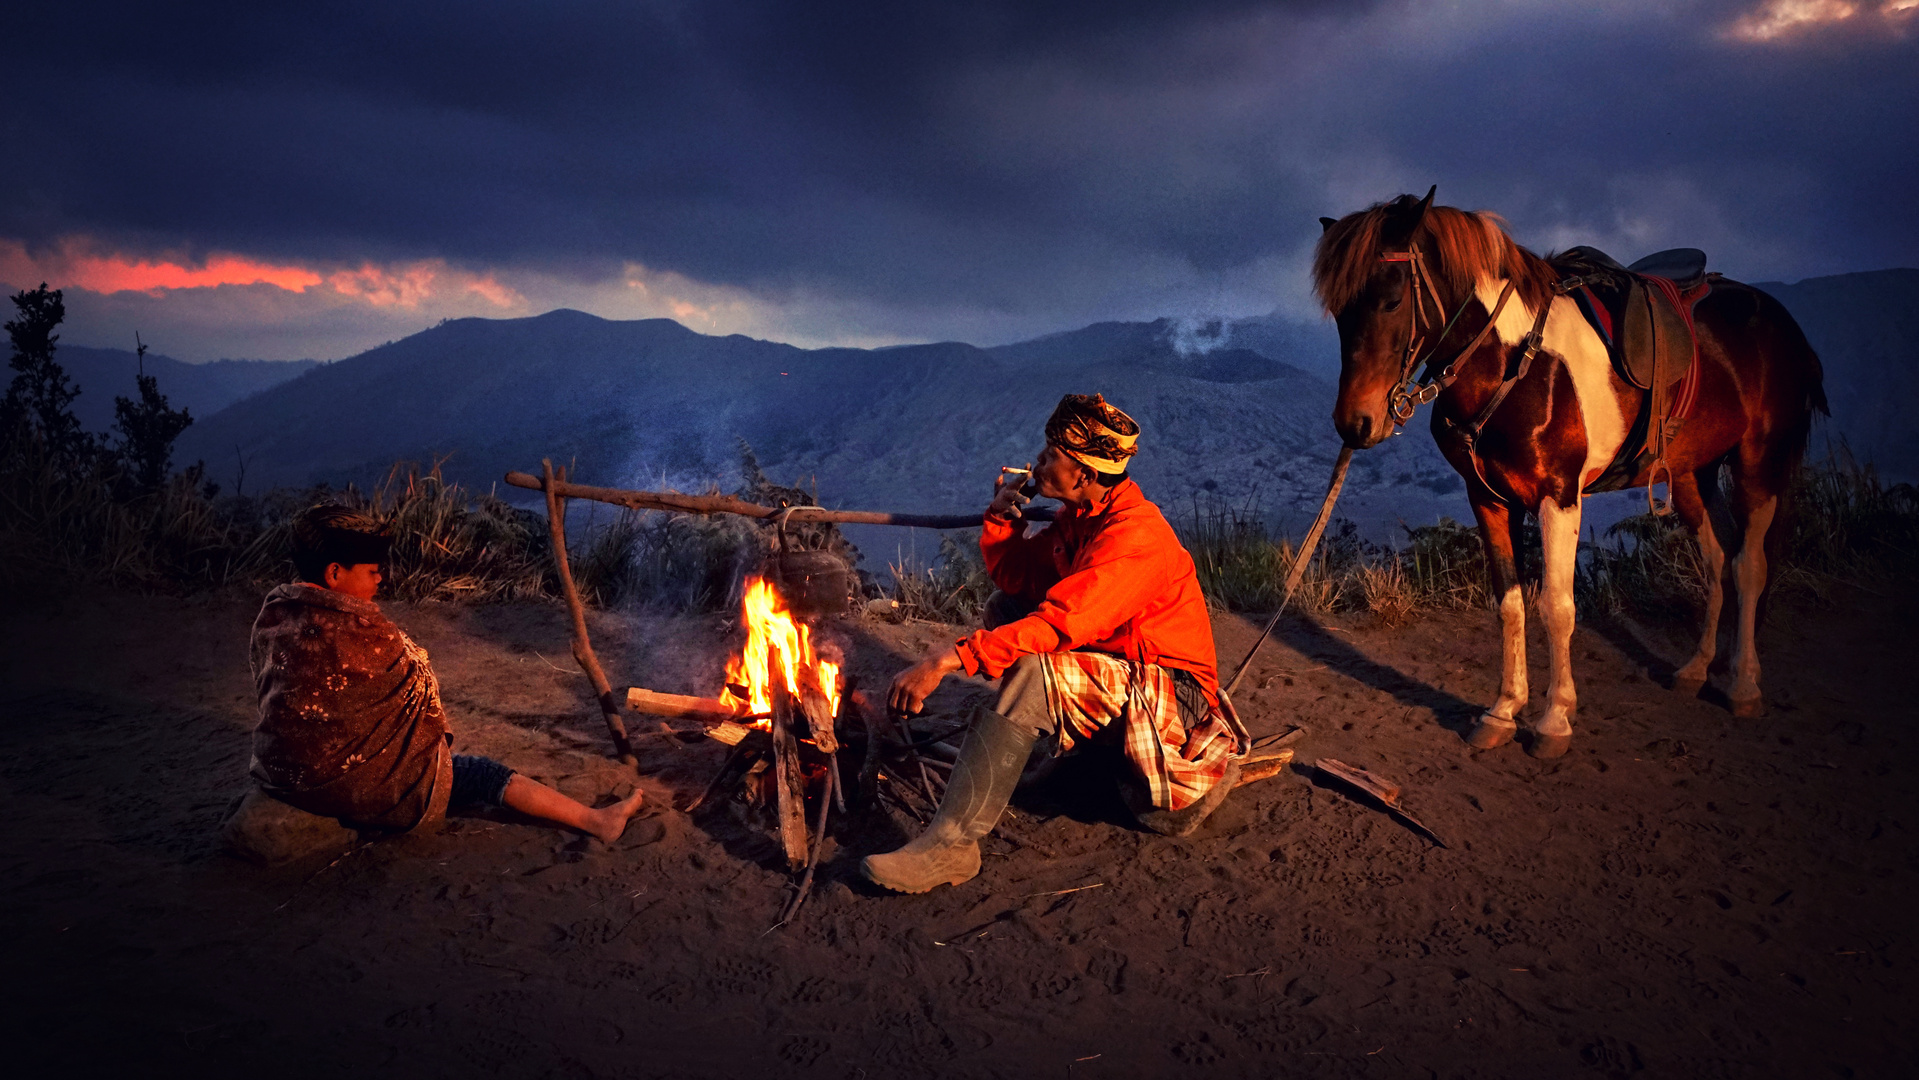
{"type": "Point", "coordinates": [1683, 895]}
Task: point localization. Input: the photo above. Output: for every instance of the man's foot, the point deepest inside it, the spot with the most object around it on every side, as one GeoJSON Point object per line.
{"type": "Point", "coordinates": [608, 822]}
{"type": "Point", "coordinates": [947, 853]}
{"type": "Point", "coordinates": [923, 865]}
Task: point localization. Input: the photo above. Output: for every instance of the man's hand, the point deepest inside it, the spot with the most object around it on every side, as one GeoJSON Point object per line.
{"type": "Point", "coordinates": [911, 687]}
{"type": "Point", "coordinates": [1007, 498]}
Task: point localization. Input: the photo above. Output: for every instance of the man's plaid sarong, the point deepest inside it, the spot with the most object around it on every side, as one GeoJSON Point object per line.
{"type": "Point", "coordinates": [1086, 691]}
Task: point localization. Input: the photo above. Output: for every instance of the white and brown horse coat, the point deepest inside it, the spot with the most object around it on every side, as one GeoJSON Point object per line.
{"type": "Point", "coordinates": [1561, 425]}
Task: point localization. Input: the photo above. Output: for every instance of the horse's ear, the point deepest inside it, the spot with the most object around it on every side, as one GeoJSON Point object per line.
{"type": "Point", "coordinates": [1425, 204]}
{"type": "Point", "coordinates": [1327, 223]}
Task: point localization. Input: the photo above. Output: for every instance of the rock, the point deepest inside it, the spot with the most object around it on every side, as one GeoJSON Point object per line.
{"type": "Point", "coordinates": [266, 831]}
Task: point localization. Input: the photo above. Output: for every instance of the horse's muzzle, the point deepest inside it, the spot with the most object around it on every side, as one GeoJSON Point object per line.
{"type": "Point", "coordinates": [1363, 430]}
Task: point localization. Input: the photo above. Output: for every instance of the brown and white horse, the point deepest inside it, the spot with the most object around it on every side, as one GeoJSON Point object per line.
{"type": "Point", "coordinates": [1406, 279]}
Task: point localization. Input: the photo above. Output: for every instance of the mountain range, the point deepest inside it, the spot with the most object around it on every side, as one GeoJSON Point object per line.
{"type": "Point", "coordinates": [201, 389]}
{"type": "Point", "coordinates": [1235, 414]}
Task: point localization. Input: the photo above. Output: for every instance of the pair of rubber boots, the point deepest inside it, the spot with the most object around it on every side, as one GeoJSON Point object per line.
{"type": "Point", "coordinates": [989, 767]}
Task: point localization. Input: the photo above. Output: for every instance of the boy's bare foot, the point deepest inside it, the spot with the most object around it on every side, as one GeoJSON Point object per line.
{"type": "Point", "coordinates": [608, 822]}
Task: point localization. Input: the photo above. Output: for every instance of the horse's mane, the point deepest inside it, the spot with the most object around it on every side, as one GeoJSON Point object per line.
{"type": "Point", "coordinates": [1462, 247]}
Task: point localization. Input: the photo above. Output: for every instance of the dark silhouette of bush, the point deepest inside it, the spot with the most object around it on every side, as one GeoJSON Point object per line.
{"type": "Point", "coordinates": [147, 429]}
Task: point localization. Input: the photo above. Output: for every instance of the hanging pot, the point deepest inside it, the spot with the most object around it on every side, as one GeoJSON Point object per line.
{"type": "Point", "coordinates": [813, 583]}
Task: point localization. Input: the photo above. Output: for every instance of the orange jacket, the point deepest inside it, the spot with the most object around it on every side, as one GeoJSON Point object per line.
{"type": "Point", "coordinates": [1111, 577]}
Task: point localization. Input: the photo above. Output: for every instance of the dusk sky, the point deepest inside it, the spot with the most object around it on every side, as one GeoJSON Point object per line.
{"type": "Point", "coordinates": [283, 181]}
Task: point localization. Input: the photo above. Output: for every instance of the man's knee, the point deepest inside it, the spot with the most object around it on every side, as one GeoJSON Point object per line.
{"type": "Point", "coordinates": [1022, 696]}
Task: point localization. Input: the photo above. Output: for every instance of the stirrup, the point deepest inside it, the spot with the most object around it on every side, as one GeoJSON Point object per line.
{"type": "Point", "coordinates": [1655, 505]}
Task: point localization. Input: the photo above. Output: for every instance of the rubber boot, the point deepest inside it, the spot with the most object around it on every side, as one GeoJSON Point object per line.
{"type": "Point", "coordinates": [947, 853]}
{"type": "Point", "coordinates": [1185, 821]}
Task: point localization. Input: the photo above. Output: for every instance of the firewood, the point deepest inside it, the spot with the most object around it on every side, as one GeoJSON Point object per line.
{"type": "Point", "coordinates": [1376, 788]}
{"type": "Point", "coordinates": [789, 781]}
{"type": "Point", "coordinates": [813, 856]}
{"type": "Point", "coordinates": [740, 760]}
{"type": "Point", "coordinates": [867, 789]}
{"type": "Point", "coordinates": [819, 718]}
{"type": "Point", "coordinates": [1265, 768]}
{"type": "Point", "coordinates": [679, 706]}
{"type": "Point", "coordinates": [582, 645]}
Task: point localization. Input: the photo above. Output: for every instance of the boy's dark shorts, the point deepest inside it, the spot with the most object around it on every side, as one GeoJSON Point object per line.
{"type": "Point", "coordinates": [478, 783]}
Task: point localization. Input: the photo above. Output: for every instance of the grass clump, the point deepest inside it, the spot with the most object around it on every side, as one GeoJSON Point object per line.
{"type": "Point", "coordinates": [954, 589]}
{"type": "Point", "coordinates": [1243, 566]}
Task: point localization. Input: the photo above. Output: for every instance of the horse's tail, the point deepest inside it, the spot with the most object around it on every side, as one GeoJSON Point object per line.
{"type": "Point", "coordinates": [1794, 358]}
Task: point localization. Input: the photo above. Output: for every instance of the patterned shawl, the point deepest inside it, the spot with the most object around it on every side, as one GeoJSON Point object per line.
{"type": "Point", "coordinates": [350, 719]}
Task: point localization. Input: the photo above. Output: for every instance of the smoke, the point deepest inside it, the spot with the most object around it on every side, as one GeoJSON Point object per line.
{"type": "Point", "coordinates": [1194, 337]}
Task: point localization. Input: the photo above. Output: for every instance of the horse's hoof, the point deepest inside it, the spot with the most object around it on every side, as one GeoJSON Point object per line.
{"type": "Point", "coordinates": [1542, 745]}
{"type": "Point", "coordinates": [1751, 708]}
{"type": "Point", "coordinates": [1688, 687]}
{"type": "Point", "coordinates": [1491, 732]}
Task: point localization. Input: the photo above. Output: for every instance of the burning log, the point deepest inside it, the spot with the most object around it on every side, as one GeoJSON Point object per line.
{"type": "Point", "coordinates": [709, 711]}
{"type": "Point", "coordinates": [788, 779]}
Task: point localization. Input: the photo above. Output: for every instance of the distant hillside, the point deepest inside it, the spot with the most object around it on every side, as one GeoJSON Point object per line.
{"type": "Point", "coordinates": [1234, 414]}
{"type": "Point", "coordinates": [1866, 328]}
{"type": "Point", "coordinates": [202, 389]}
{"type": "Point", "coordinates": [919, 427]}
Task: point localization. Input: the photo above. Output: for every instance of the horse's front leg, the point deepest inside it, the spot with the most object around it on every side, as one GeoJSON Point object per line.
{"type": "Point", "coordinates": [1498, 724]}
{"type": "Point", "coordinates": [1559, 537]}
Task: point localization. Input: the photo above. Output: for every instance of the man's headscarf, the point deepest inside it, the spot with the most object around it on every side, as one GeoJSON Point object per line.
{"type": "Point", "coordinates": [1093, 433]}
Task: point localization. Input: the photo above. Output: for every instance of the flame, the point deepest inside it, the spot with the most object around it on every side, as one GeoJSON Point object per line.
{"type": "Point", "coordinates": [770, 626]}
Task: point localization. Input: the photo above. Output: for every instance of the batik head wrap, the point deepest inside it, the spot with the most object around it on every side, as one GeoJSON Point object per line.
{"type": "Point", "coordinates": [1093, 433]}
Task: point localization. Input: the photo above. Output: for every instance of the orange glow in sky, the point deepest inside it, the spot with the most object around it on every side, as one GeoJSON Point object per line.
{"type": "Point", "coordinates": [75, 266]}
{"type": "Point", "coordinates": [78, 263]}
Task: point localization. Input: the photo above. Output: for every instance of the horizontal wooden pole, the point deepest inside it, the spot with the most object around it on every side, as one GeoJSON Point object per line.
{"type": "Point", "coordinates": [675, 502]}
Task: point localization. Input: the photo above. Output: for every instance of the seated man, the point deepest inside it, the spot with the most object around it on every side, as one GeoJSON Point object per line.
{"type": "Point", "coordinates": [351, 725]}
{"type": "Point", "coordinates": [1099, 620]}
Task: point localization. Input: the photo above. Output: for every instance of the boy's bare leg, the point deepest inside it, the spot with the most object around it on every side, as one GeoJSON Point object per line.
{"type": "Point", "coordinates": [534, 799]}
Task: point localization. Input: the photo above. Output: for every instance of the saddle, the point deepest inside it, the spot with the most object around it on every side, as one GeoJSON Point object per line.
{"type": "Point", "coordinates": [1643, 313]}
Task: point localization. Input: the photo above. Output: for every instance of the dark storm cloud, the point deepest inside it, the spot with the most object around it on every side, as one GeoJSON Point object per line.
{"type": "Point", "coordinates": [1011, 156]}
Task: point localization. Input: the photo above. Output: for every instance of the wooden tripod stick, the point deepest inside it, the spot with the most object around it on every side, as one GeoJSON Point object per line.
{"type": "Point", "coordinates": [582, 646]}
{"type": "Point", "coordinates": [1300, 561]}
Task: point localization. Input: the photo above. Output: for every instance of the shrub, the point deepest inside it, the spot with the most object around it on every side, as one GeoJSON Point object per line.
{"type": "Point", "coordinates": [954, 589]}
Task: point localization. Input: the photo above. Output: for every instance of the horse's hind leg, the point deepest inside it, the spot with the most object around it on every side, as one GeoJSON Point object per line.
{"type": "Point", "coordinates": [1757, 509]}
{"type": "Point", "coordinates": [1559, 536]}
{"type": "Point", "coordinates": [1687, 500]}
{"type": "Point", "coordinates": [1499, 724]}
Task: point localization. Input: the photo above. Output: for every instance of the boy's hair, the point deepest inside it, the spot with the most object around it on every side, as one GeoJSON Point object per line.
{"type": "Point", "coordinates": [324, 535]}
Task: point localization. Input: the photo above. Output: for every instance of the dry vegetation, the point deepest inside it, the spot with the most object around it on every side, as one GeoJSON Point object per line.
{"type": "Point", "coordinates": [1845, 527]}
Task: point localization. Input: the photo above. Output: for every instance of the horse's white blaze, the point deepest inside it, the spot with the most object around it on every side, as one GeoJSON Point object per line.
{"type": "Point", "coordinates": [1559, 537]}
{"type": "Point", "coordinates": [1569, 337]}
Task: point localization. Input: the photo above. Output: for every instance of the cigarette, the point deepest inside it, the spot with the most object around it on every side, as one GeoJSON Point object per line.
{"type": "Point", "coordinates": [1009, 468]}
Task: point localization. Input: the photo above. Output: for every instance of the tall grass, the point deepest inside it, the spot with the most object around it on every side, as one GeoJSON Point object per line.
{"type": "Point", "coordinates": [1243, 566]}
{"type": "Point", "coordinates": [1842, 523]}
{"type": "Point", "coordinates": [953, 589]}
{"type": "Point", "coordinates": [449, 544]}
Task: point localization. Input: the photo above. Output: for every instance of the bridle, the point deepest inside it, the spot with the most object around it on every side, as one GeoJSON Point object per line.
{"type": "Point", "coordinates": [1410, 392]}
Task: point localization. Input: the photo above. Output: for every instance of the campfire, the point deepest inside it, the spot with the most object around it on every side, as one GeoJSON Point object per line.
{"type": "Point", "coordinates": [780, 649]}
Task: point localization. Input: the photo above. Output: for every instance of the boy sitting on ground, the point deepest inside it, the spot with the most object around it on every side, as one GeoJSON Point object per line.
{"type": "Point", "coordinates": [351, 725]}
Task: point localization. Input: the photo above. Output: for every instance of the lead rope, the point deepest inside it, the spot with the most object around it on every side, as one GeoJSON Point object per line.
{"type": "Point", "coordinates": [1300, 561]}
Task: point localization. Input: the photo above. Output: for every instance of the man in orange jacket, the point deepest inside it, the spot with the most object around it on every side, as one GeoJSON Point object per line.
{"type": "Point", "coordinates": [1099, 619]}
